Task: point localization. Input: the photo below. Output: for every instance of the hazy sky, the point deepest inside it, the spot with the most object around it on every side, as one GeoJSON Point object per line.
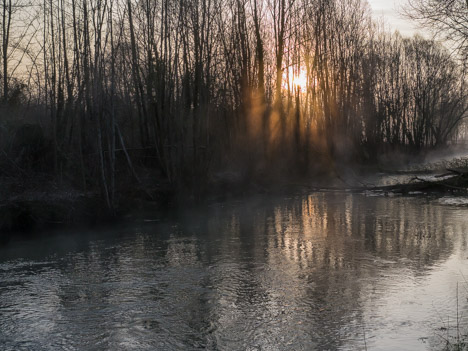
{"type": "Point", "coordinates": [390, 9]}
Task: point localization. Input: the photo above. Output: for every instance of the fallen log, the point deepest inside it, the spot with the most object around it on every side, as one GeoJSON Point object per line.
{"type": "Point", "coordinates": [455, 182]}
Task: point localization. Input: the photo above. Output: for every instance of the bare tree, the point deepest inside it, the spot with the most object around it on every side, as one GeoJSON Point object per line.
{"type": "Point", "coordinates": [448, 19]}
{"type": "Point", "coordinates": [6, 27]}
{"type": "Point", "coordinates": [182, 88]}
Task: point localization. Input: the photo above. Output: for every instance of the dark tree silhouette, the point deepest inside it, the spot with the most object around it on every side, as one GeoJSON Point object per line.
{"type": "Point", "coordinates": [448, 19]}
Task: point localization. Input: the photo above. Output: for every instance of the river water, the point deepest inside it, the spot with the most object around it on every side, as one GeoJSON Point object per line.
{"type": "Point", "coordinates": [325, 271]}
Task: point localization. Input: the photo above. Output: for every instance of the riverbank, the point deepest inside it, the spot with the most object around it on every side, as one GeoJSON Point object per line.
{"type": "Point", "coordinates": [31, 204]}
{"type": "Point", "coordinates": [38, 202]}
{"type": "Point", "coordinates": [34, 204]}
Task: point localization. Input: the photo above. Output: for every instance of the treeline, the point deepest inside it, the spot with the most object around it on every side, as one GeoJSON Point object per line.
{"type": "Point", "coordinates": [201, 86]}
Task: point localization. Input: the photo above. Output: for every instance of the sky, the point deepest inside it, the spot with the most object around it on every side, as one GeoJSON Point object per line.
{"type": "Point", "coordinates": [390, 10]}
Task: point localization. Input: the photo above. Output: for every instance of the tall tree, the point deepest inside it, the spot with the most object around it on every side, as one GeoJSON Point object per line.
{"type": "Point", "coordinates": [448, 19]}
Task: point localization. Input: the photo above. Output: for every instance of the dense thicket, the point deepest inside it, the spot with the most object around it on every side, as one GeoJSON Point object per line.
{"type": "Point", "coordinates": [201, 86]}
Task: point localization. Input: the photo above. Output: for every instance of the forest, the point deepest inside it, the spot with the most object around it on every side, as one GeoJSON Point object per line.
{"type": "Point", "coordinates": [103, 94]}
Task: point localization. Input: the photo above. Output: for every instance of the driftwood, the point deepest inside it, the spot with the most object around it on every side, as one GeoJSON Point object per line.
{"type": "Point", "coordinates": [454, 181]}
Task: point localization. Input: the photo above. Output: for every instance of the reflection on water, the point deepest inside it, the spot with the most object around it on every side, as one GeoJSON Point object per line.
{"type": "Point", "coordinates": [329, 271]}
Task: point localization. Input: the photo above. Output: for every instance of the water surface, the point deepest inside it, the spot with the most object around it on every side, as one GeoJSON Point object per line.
{"type": "Point", "coordinates": [326, 271]}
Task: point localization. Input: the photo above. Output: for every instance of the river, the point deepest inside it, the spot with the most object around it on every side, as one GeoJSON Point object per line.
{"type": "Point", "coordinates": [323, 271]}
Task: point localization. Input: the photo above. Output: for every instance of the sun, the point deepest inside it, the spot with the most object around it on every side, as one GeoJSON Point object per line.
{"type": "Point", "coordinates": [295, 79]}
{"type": "Point", "coordinates": [300, 80]}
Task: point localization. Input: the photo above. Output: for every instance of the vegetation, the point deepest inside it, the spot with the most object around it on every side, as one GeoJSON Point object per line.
{"type": "Point", "coordinates": [97, 92]}
{"type": "Point", "coordinates": [446, 18]}
{"type": "Point", "coordinates": [453, 338]}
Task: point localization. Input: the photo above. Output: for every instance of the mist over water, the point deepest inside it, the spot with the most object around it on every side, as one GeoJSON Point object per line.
{"type": "Point", "coordinates": [327, 271]}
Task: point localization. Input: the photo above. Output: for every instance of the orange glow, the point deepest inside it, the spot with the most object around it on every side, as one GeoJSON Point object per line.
{"type": "Point", "coordinates": [300, 81]}
{"type": "Point", "coordinates": [295, 79]}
